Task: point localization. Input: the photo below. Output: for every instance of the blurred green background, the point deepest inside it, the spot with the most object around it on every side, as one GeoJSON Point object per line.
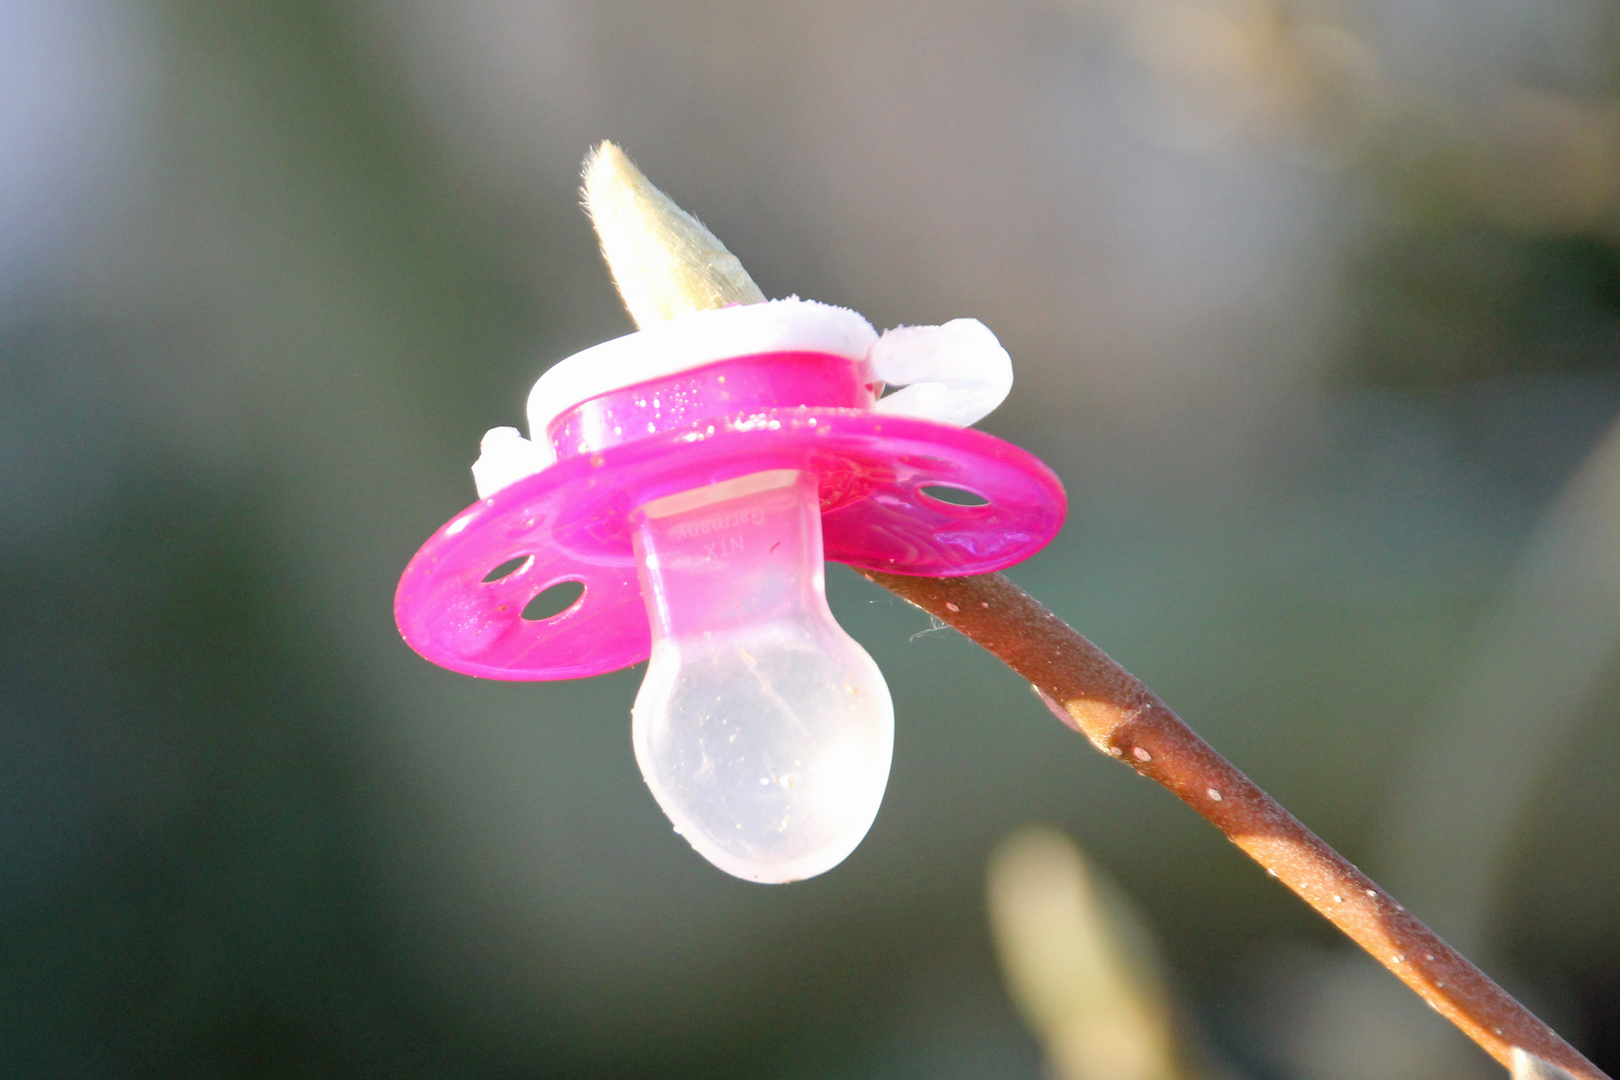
{"type": "Point", "coordinates": [1314, 306]}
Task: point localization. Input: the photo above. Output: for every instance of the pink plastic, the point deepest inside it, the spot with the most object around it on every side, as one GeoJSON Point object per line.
{"type": "Point", "coordinates": [618, 451]}
{"type": "Point", "coordinates": [692, 398]}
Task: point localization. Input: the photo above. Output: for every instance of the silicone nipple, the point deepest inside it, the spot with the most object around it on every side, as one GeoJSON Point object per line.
{"type": "Point", "coordinates": [762, 728]}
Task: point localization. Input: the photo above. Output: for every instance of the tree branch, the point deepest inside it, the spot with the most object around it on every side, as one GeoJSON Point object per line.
{"type": "Point", "coordinates": [1098, 698]}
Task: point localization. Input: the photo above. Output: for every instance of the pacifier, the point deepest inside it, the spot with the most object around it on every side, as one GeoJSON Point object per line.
{"type": "Point", "coordinates": [693, 477]}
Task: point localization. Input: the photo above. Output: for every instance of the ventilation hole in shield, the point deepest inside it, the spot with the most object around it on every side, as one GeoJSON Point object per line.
{"type": "Point", "coordinates": [508, 568]}
{"type": "Point", "coordinates": [955, 496]}
{"type": "Point", "coordinates": [550, 603]}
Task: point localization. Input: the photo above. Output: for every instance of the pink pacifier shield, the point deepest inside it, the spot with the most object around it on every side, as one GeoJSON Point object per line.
{"type": "Point", "coordinates": [458, 609]}
{"type": "Point", "coordinates": [897, 494]}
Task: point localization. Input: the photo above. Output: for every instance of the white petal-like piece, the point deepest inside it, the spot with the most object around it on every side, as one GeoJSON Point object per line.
{"type": "Point", "coordinates": [504, 458]}
{"type": "Point", "coordinates": [953, 374]}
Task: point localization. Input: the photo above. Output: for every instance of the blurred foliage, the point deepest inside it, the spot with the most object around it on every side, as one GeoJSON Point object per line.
{"type": "Point", "coordinates": [1446, 302]}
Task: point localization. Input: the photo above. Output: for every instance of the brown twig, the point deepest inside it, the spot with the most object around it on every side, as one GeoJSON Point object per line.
{"type": "Point", "coordinates": [1108, 705]}
{"type": "Point", "coordinates": [665, 262]}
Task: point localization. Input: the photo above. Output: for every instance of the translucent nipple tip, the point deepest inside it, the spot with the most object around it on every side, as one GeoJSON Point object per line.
{"type": "Point", "coordinates": [762, 728]}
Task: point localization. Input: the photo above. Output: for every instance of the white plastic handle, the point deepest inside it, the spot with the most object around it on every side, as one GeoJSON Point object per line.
{"type": "Point", "coordinates": [954, 374]}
